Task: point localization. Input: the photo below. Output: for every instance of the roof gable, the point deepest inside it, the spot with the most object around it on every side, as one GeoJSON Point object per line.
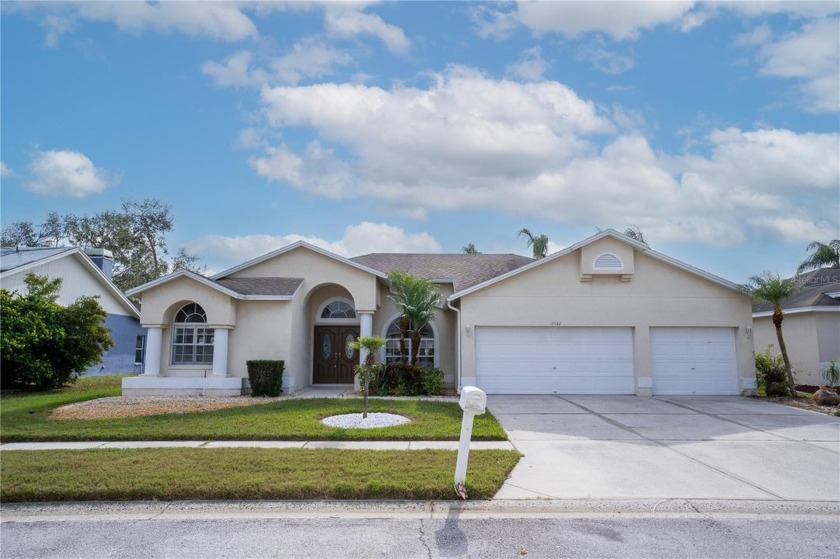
{"type": "Point", "coordinates": [279, 289]}
{"type": "Point", "coordinates": [637, 245]}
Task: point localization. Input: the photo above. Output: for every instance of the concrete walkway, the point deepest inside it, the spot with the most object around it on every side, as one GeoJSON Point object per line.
{"type": "Point", "coordinates": [349, 445]}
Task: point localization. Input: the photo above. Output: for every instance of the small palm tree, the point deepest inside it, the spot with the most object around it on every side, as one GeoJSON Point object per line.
{"type": "Point", "coordinates": [773, 289]}
{"type": "Point", "coordinates": [539, 244]}
{"type": "Point", "coordinates": [367, 370]}
{"type": "Point", "coordinates": [470, 249]}
{"type": "Point", "coordinates": [823, 256]}
{"type": "Point", "coordinates": [417, 298]}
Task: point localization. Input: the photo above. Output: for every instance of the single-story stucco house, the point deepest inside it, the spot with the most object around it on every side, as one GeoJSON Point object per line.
{"type": "Point", "coordinates": [83, 273]}
{"type": "Point", "coordinates": [608, 315]}
{"type": "Point", "coordinates": [811, 324]}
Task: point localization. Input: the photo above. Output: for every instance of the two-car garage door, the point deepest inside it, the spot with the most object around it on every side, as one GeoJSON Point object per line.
{"type": "Point", "coordinates": [554, 360]}
{"type": "Point", "coordinates": [600, 360]}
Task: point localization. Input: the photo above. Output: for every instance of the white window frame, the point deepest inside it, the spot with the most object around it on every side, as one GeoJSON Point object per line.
{"type": "Point", "coordinates": [435, 333]}
{"type": "Point", "coordinates": [195, 328]}
{"type": "Point", "coordinates": [328, 302]}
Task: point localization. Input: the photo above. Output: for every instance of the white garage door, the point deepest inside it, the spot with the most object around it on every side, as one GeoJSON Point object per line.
{"type": "Point", "coordinates": [554, 360]}
{"type": "Point", "coordinates": [693, 361]}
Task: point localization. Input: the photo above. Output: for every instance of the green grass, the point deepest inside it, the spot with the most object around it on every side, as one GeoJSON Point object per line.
{"type": "Point", "coordinates": [245, 473]}
{"type": "Point", "coordinates": [25, 417]}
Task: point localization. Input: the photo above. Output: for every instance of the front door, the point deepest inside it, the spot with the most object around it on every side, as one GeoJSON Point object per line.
{"type": "Point", "coordinates": [334, 360]}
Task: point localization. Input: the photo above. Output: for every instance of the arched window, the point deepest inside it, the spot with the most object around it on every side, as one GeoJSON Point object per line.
{"type": "Point", "coordinates": [426, 353]}
{"type": "Point", "coordinates": [192, 341]}
{"type": "Point", "coordinates": [338, 310]}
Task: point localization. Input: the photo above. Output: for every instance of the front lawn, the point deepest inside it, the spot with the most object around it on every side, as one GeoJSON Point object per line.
{"type": "Point", "coordinates": [26, 417]}
{"type": "Point", "coordinates": [245, 473]}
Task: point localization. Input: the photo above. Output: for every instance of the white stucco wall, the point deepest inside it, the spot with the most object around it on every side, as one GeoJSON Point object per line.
{"type": "Point", "coordinates": [659, 295]}
{"type": "Point", "coordinates": [812, 340]}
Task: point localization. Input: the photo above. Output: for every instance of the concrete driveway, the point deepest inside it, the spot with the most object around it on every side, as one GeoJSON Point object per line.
{"type": "Point", "coordinates": [629, 447]}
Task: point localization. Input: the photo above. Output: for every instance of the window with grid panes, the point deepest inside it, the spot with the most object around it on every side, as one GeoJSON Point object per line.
{"type": "Point", "coordinates": [192, 341]}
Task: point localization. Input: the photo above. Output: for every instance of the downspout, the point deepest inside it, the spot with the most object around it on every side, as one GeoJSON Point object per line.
{"type": "Point", "coordinates": [457, 346]}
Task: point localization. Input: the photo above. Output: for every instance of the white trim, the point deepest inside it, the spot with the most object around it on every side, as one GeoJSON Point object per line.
{"type": "Point", "coordinates": [323, 321]}
{"type": "Point", "coordinates": [85, 260]}
{"type": "Point", "coordinates": [287, 248]}
{"type": "Point", "coordinates": [799, 310]}
{"type": "Point", "coordinates": [432, 325]}
{"type": "Point", "coordinates": [641, 247]}
{"type": "Point", "coordinates": [211, 284]}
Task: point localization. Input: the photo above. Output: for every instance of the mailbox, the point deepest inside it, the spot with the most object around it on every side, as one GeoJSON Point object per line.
{"type": "Point", "coordinates": [473, 399]}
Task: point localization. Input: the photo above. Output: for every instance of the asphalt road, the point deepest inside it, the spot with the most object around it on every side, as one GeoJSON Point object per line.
{"type": "Point", "coordinates": [451, 534]}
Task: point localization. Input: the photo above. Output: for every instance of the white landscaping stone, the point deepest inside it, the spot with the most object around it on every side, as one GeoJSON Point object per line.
{"type": "Point", "coordinates": [372, 421]}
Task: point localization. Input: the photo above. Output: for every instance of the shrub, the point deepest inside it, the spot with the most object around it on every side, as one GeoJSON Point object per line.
{"type": "Point", "coordinates": [404, 379]}
{"type": "Point", "coordinates": [831, 372]}
{"type": "Point", "coordinates": [770, 373]}
{"type": "Point", "coordinates": [265, 376]}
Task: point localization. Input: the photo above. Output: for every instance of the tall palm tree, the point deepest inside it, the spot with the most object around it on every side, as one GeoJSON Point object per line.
{"type": "Point", "coordinates": [773, 289]}
{"type": "Point", "coordinates": [824, 256]}
{"type": "Point", "coordinates": [538, 244]}
{"type": "Point", "coordinates": [417, 298]}
{"type": "Point", "coordinates": [470, 249]}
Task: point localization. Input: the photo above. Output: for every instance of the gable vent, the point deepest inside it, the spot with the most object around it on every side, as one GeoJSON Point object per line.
{"type": "Point", "coordinates": [608, 261]}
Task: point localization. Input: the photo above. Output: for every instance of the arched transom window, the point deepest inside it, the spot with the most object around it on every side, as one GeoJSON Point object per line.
{"type": "Point", "coordinates": [426, 353]}
{"type": "Point", "coordinates": [338, 310]}
{"type": "Point", "coordinates": [192, 341]}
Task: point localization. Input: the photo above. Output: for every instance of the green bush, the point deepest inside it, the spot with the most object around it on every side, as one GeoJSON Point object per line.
{"type": "Point", "coordinates": [770, 373]}
{"type": "Point", "coordinates": [265, 376]}
{"type": "Point", "coordinates": [404, 379]}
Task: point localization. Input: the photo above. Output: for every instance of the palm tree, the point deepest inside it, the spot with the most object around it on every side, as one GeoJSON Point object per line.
{"type": "Point", "coordinates": [470, 249]}
{"type": "Point", "coordinates": [824, 256]}
{"type": "Point", "coordinates": [773, 289]}
{"type": "Point", "coordinates": [366, 372]}
{"type": "Point", "coordinates": [417, 298]}
{"type": "Point", "coordinates": [538, 244]}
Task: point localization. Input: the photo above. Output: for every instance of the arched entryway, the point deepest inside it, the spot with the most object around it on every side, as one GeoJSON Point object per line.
{"type": "Point", "coordinates": [336, 326]}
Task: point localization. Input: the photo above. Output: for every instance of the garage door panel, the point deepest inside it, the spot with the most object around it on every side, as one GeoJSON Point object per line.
{"type": "Point", "coordinates": [555, 360]}
{"type": "Point", "coordinates": [693, 361]}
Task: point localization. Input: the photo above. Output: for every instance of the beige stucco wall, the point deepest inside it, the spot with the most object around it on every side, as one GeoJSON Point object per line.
{"type": "Point", "coordinates": [263, 331]}
{"type": "Point", "coordinates": [659, 294]}
{"type": "Point", "coordinates": [592, 251]}
{"type": "Point", "coordinates": [812, 340]}
{"type": "Point", "coordinates": [78, 281]}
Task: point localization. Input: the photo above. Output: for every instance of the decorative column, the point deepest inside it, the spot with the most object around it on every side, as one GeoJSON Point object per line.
{"type": "Point", "coordinates": [154, 341]}
{"type": "Point", "coordinates": [220, 352]}
{"type": "Point", "coordinates": [365, 329]}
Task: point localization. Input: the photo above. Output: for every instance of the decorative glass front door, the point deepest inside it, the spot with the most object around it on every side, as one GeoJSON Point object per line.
{"type": "Point", "coordinates": [334, 360]}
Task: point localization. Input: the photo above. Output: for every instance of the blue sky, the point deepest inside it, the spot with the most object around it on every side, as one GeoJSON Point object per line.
{"type": "Point", "coordinates": [424, 126]}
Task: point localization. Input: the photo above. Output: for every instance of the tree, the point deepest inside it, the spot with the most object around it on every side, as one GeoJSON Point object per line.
{"type": "Point", "coordinates": [773, 289]}
{"type": "Point", "coordinates": [538, 244]}
{"type": "Point", "coordinates": [135, 235]}
{"type": "Point", "coordinates": [44, 345]}
{"type": "Point", "coordinates": [369, 369]}
{"type": "Point", "coordinates": [823, 256]}
{"type": "Point", "coordinates": [417, 298]}
{"type": "Point", "coordinates": [635, 233]}
{"type": "Point", "coordinates": [470, 249]}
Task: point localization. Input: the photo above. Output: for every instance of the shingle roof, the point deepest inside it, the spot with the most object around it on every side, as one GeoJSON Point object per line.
{"type": "Point", "coordinates": [811, 292]}
{"type": "Point", "coordinates": [262, 286]}
{"type": "Point", "coordinates": [464, 270]}
{"type": "Point", "coordinates": [12, 257]}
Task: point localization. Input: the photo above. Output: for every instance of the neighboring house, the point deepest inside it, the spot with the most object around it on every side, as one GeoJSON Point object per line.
{"type": "Point", "coordinates": [83, 274]}
{"type": "Point", "coordinates": [811, 325]}
{"type": "Point", "coordinates": [605, 316]}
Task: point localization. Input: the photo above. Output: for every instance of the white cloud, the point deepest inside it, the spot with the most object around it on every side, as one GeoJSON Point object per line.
{"type": "Point", "coordinates": [310, 58]}
{"type": "Point", "coordinates": [813, 56]}
{"type": "Point", "coordinates": [222, 21]}
{"type": "Point", "coordinates": [234, 71]}
{"type": "Point", "coordinates": [222, 252]}
{"type": "Point", "coordinates": [619, 20]}
{"type": "Point", "coordinates": [348, 21]}
{"type": "Point", "coordinates": [5, 170]}
{"type": "Point", "coordinates": [604, 60]}
{"type": "Point", "coordinates": [65, 173]}
{"type": "Point", "coordinates": [530, 67]}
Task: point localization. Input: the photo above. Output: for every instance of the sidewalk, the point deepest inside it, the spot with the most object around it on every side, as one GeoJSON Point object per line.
{"type": "Point", "coordinates": [348, 445]}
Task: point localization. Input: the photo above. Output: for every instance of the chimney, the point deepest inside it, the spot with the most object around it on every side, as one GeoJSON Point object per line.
{"type": "Point", "coordinates": [104, 259]}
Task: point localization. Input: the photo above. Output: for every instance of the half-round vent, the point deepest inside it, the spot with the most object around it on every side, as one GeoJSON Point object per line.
{"type": "Point", "coordinates": [608, 261]}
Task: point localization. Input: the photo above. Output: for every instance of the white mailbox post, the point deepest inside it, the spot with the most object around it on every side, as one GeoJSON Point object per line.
{"type": "Point", "coordinates": [473, 401]}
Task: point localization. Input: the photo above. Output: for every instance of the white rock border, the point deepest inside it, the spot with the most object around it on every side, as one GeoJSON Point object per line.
{"type": "Point", "coordinates": [372, 421]}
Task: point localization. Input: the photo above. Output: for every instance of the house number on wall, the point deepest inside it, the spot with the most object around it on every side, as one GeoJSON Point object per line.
{"type": "Point", "coordinates": [555, 323]}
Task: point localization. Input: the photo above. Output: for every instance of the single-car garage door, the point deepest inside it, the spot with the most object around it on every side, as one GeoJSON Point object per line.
{"type": "Point", "coordinates": [693, 361]}
{"type": "Point", "coordinates": [554, 360]}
